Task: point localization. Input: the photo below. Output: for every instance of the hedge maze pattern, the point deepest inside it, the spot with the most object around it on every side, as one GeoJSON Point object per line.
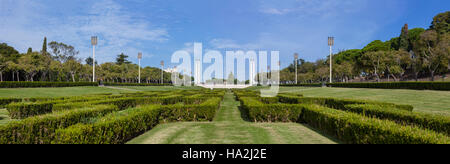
{"type": "Point", "coordinates": [351, 121]}
{"type": "Point", "coordinates": [103, 119]}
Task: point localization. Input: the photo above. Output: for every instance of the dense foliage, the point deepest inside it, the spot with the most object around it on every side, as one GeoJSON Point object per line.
{"type": "Point", "coordinates": [103, 118]}
{"type": "Point", "coordinates": [351, 121]}
{"type": "Point", "coordinates": [416, 53]}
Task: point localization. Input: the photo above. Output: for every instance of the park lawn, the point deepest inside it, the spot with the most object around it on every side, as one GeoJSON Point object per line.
{"type": "Point", "coordinates": [427, 101]}
{"type": "Point", "coordinates": [228, 127]}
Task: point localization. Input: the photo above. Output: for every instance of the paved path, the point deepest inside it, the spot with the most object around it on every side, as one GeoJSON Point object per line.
{"type": "Point", "coordinates": [228, 127]}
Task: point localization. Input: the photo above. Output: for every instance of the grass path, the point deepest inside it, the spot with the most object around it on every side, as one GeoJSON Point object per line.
{"type": "Point", "coordinates": [228, 127]}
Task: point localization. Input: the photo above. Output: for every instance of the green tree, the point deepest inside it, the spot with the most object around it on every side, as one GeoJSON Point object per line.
{"type": "Point", "coordinates": [434, 52]}
{"type": "Point", "coordinates": [30, 63]}
{"type": "Point", "coordinates": [404, 40]}
{"type": "Point", "coordinates": [72, 66]}
{"type": "Point", "coordinates": [377, 45]}
{"type": "Point", "coordinates": [375, 61]}
{"type": "Point", "coordinates": [90, 61]}
{"type": "Point", "coordinates": [63, 52]}
{"type": "Point", "coordinates": [441, 23]}
{"type": "Point", "coordinates": [122, 59]}
{"type": "Point", "coordinates": [44, 46]}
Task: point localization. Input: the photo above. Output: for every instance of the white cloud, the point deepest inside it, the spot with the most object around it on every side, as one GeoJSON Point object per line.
{"type": "Point", "coordinates": [308, 8]}
{"type": "Point", "coordinates": [231, 44]}
{"type": "Point", "coordinates": [275, 11]}
{"type": "Point", "coordinates": [118, 29]}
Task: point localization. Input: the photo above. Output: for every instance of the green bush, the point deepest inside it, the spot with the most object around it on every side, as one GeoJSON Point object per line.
{"type": "Point", "coordinates": [136, 84]}
{"type": "Point", "coordinates": [119, 127]}
{"type": "Point", "coordinates": [356, 129]}
{"type": "Point", "coordinates": [259, 112]}
{"type": "Point", "coordinates": [339, 103]}
{"type": "Point", "coordinates": [11, 84]}
{"type": "Point", "coordinates": [428, 121]}
{"type": "Point", "coordinates": [445, 86]}
{"type": "Point", "coordinates": [24, 110]}
{"type": "Point", "coordinates": [6, 101]}
{"type": "Point", "coordinates": [302, 85]}
{"type": "Point", "coordinates": [201, 112]}
{"type": "Point", "coordinates": [112, 129]}
{"type": "Point", "coordinates": [41, 129]}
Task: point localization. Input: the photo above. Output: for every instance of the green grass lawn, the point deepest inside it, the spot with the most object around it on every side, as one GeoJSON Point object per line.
{"type": "Point", "coordinates": [228, 127]}
{"type": "Point", "coordinates": [436, 102]}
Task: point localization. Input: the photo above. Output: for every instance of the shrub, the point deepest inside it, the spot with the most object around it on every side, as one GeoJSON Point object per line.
{"type": "Point", "coordinates": [112, 129]}
{"type": "Point", "coordinates": [6, 101]}
{"type": "Point", "coordinates": [397, 85]}
{"type": "Point", "coordinates": [339, 103]}
{"type": "Point", "coordinates": [41, 129]}
{"type": "Point", "coordinates": [11, 84]}
{"type": "Point", "coordinates": [24, 110]}
{"type": "Point", "coordinates": [302, 85]}
{"type": "Point", "coordinates": [356, 129]}
{"type": "Point", "coordinates": [117, 128]}
{"type": "Point", "coordinates": [136, 84]}
{"type": "Point", "coordinates": [259, 112]}
{"type": "Point", "coordinates": [201, 112]}
{"type": "Point", "coordinates": [433, 122]}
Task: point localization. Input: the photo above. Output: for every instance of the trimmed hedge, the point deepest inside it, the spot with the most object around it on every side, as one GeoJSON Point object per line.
{"type": "Point", "coordinates": [24, 110]}
{"type": "Point", "coordinates": [428, 121]}
{"type": "Point", "coordinates": [259, 112]}
{"type": "Point", "coordinates": [356, 129]}
{"type": "Point", "coordinates": [302, 85]}
{"type": "Point", "coordinates": [11, 84]}
{"type": "Point", "coordinates": [445, 86]}
{"type": "Point", "coordinates": [111, 129]}
{"type": "Point", "coordinates": [41, 129]}
{"type": "Point", "coordinates": [136, 84]}
{"type": "Point", "coordinates": [6, 101]}
{"type": "Point", "coordinates": [118, 128]}
{"type": "Point", "coordinates": [201, 112]}
{"type": "Point", "coordinates": [339, 103]}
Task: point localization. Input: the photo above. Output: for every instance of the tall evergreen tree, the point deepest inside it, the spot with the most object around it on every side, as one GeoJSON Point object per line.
{"type": "Point", "coordinates": [44, 46]}
{"type": "Point", "coordinates": [122, 59]}
{"type": "Point", "coordinates": [30, 50]}
{"type": "Point", "coordinates": [404, 41]}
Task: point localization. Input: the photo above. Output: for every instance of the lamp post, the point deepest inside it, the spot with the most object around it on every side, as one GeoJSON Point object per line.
{"type": "Point", "coordinates": [296, 64]}
{"type": "Point", "coordinates": [139, 59]}
{"type": "Point", "coordinates": [162, 72]}
{"type": "Point", "coordinates": [331, 44]}
{"type": "Point", "coordinates": [94, 40]}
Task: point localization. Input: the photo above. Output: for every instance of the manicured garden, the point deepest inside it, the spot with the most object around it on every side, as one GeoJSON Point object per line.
{"type": "Point", "coordinates": [186, 115]}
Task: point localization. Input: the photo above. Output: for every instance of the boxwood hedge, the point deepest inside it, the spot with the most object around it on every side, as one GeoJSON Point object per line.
{"type": "Point", "coordinates": [11, 84]}
{"type": "Point", "coordinates": [397, 85]}
{"type": "Point", "coordinates": [357, 129]}
{"type": "Point", "coordinates": [429, 121]}
{"type": "Point", "coordinates": [41, 129]}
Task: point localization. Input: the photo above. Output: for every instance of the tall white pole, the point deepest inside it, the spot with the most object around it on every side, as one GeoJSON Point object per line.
{"type": "Point", "coordinates": [139, 71]}
{"type": "Point", "coordinates": [94, 40]}
{"type": "Point", "coordinates": [331, 64]}
{"type": "Point", "coordinates": [93, 64]}
{"type": "Point", "coordinates": [331, 43]}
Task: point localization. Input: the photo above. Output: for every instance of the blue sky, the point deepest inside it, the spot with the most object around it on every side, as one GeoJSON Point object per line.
{"type": "Point", "coordinates": [160, 27]}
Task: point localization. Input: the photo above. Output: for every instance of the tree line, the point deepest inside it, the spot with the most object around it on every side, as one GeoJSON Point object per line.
{"type": "Point", "coordinates": [416, 53]}
{"type": "Point", "coordinates": [59, 62]}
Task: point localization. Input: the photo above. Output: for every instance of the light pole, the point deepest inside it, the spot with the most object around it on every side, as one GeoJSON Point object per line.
{"type": "Point", "coordinates": [296, 64]}
{"type": "Point", "coordinates": [331, 43]}
{"type": "Point", "coordinates": [94, 40]}
{"type": "Point", "coordinates": [162, 72]}
{"type": "Point", "coordinates": [139, 59]}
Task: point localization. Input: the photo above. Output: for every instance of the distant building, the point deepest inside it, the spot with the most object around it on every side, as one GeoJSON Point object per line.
{"type": "Point", "coordinates": [170, 70]}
